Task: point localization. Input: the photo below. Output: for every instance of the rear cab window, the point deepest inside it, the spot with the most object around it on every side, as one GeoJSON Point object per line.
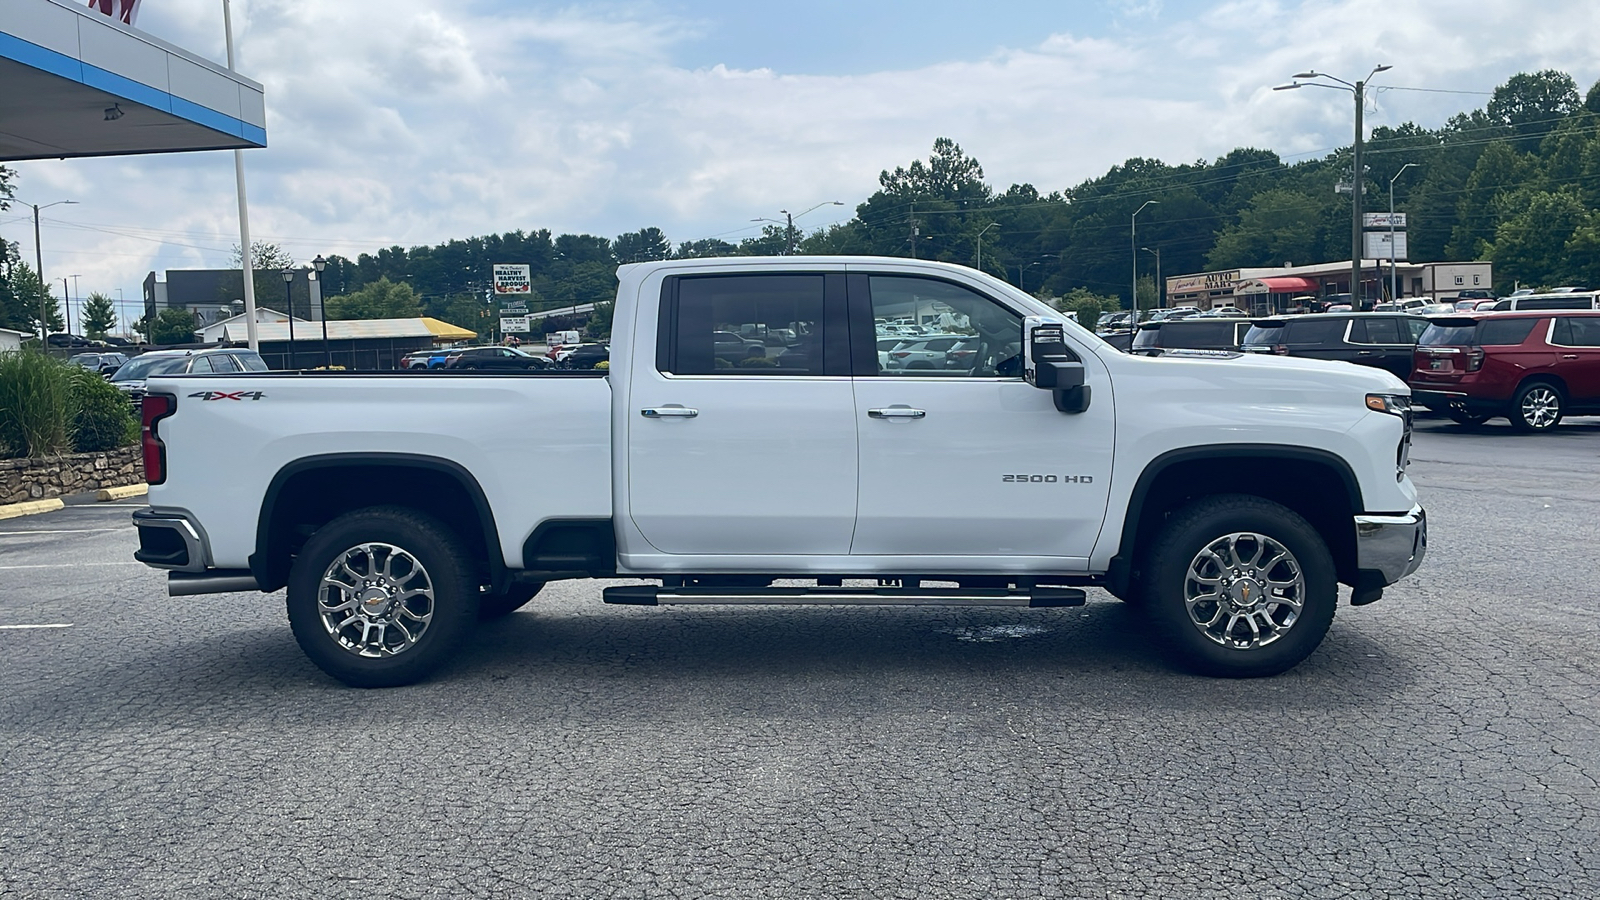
{"type": "Point", "coordinates": [708, 318]}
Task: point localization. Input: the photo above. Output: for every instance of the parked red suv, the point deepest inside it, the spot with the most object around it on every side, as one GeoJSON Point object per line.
{"type": "Point", "coordinates": [1533, 367]}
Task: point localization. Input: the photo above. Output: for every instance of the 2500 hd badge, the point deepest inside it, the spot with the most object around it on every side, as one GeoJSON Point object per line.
{"type": "Point", "coordinates": [1047, 479]}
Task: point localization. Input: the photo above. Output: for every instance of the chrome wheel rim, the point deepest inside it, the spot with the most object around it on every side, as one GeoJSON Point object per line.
{"type": "Point", "coordinates": [375, 600]}
{"type": "Point", "coordinates": [1540, 407]}
{"type": "Point", "coordinates": [1244, 590]}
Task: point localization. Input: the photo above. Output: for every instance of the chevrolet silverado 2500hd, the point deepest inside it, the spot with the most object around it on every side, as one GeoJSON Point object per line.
{"type": "Point", "coordinates": [1226, 496]}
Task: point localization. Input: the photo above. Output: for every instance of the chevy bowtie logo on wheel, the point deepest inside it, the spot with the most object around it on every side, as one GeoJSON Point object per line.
{"type": "Point", "coordinates": [227, 395]}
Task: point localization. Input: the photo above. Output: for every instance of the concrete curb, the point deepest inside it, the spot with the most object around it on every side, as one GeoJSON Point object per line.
{"type": "Point", "coordinates": [13, 510]}
{"type": "Point", "coordinates": [122, 493]}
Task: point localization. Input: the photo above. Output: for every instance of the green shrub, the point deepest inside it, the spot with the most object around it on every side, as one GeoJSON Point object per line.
{"type": "Point", "coordinates": [101, 417]}
{"type": "Point", "coordinates": [35, 404]}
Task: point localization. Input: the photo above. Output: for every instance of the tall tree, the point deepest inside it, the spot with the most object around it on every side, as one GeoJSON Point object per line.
{"type": "Point", "coordinates": [383, 299]}
{"type": "Point", "coordinates": [99, 316]}
{"type": "Point", "coordinates": [267, 262]}
{"type": "Point", "coordinates": [643, 245]}
{"type": "Point", "coordinates": [1532, 104]}
{"type": "Point", "coordinates": [173, 326]}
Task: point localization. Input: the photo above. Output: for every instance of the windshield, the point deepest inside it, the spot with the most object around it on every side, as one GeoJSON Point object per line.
{"type": "Point", "coordinates": [146, 366]}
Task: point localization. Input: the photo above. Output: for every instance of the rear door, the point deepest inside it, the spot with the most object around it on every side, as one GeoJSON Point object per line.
{"type": "Point", "coordinates": [1577, 344]}
{"type": "Point", "coordinates": [1383, 342]}
{"type": "Point", "coordinates": [964, 459]}
{"type": "Point", "coordinates": [737, 453]}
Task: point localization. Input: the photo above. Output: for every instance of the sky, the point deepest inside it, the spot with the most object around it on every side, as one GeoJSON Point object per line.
{"type": "Point", "coordinates": [410, 122]}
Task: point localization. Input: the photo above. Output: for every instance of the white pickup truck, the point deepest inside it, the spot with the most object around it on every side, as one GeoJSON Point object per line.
{"type": "Point", "coordinates": [1226, 496]}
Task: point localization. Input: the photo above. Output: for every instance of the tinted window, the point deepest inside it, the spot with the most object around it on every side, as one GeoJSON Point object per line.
{"type": "Point", "coordinates": [1437, 335]}
{"type": "Point", "coordinates": [712, 310]}
{"type": "Point", "coordinates": [1504, 331]}
{"type": "Point", "coordinates": [1416, 327]}
{"type": "Point", "coordinates": [1554, 303]}
{"type": "Point", "coordinates": [1199, 335]}
{"type": "Point", "coordinates": [1315, 331]}
{"type": "Point", "coordinates": [1263, 334]}
{"type": "Point", "coordinates": [1146, 337]}
{"type": "Point", "coordinates": [150, 366]}
{"type": "Point", "coordinates": [989, 336]}
{"type": "Point", "coordinates": [223, 362]}
{"type": "Point", "coordinates": [1376, 331]}
{"type": "Point", "coordinates": [250, 361]}
{"type": "Point", "coordinates": [201, 365]}
{"type": "Point", "coordinates": [1576, 332]}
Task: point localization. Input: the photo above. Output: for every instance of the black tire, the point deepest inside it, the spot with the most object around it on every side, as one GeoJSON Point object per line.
{"type": "Point", "coordinates": [498, 606]}
{"type": "Point", "coordinates": [1207, 523]}
{"type": "Point", "coordinates": [358, 538]}
{"type": "Point", "coordinates": [1470, 420]}
{"type": "Point", "coordinates": [1537, 407]}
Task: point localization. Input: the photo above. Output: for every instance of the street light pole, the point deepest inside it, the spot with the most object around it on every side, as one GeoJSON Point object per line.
{"type": "Point", "coordinates": [288, 300]}
{"type": "Point", "coordinates": [38, 263]}
{"type": "Point", "coordinates": [1133, 244]}
{"type": "Point", "coordinates": [985, 230]}
{"type": "Point", "coordinates": [1161, 286]}
{"type": "Point", "coordinates": [1394, 280]}
{"type": "Point", "coordinates": [788, 223]}
{"type": "Point", "coordinates": [322, 301]}
{"type": "Point", "coordinates": [1359, 90]}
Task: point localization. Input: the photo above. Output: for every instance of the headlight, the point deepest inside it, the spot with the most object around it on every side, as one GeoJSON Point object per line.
{"type": "Point", "coordinates": [1393, 404]}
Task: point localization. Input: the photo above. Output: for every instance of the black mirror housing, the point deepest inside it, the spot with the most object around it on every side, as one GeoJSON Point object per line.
{"type": "Point", "coordinates": [1053, 367]}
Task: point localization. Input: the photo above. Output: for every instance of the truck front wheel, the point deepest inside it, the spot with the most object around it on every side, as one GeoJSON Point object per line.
{"type": "Point", "coordinates": [1241, 586]}
{"type": "Point", "coordinates": [382, 596]}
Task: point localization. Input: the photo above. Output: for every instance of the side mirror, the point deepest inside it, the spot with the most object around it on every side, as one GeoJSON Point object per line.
{"type": "Point", "coordinates": [1051, 366]}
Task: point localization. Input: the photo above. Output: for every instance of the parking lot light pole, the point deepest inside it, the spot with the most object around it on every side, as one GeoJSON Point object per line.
{"type": "Point", "coordinates": [322, 301]}
{"type": "Point", "coordinates": [1394, 280]}
{"type": "Point", "coordinates": [1160, 285]}
{"type": "Point", "coordinates": [1359, 90]}
{"type": "Point", "coordinates": [288, 300]}
{"type": "Point", "coordinates": [1133, 244]}
{"type": "Point", "coordinates": [38, 263]}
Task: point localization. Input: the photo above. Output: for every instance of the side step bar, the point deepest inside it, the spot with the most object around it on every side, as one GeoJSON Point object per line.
{"type": "Point", "coordinates": [651, 595]}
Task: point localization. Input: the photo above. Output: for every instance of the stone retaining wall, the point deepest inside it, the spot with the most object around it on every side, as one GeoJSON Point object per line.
{"type": "Point", "coordinates": [72, 473]}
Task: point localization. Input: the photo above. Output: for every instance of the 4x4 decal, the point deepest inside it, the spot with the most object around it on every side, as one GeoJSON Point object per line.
{"type": "Point", "coordinates": [228, 395]}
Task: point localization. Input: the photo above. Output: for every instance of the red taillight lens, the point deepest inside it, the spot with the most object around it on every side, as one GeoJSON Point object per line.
{"type": "Point", "coordinates": [1474, 359]}
{"type": "Point", "coordinates": [156, 407]}
{"type": "Point", "coordinates": [900, 354]}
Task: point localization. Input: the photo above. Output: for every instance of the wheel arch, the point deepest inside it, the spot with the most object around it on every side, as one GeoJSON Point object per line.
{"type": "Point", "coordinates": [1316, 483]}
{"type": "Point", "coordinates": [309, 492]}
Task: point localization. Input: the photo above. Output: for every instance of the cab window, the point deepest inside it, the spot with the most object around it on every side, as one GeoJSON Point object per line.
{"type": "Point", "coordinates": [744, 325]}
{"type": "Point", "coordinates": [964, 334]}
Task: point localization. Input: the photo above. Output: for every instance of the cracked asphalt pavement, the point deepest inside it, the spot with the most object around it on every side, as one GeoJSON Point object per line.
{"type": "Point", "coordinates": [1442, 743]}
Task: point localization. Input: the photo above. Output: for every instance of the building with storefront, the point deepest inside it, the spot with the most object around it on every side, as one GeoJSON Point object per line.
{"type": "Point", "coordinates": [1263, 291]}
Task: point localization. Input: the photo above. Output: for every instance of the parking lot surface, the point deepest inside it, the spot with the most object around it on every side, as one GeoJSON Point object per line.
{"type": "Point", "coordinates": [1444, 742]}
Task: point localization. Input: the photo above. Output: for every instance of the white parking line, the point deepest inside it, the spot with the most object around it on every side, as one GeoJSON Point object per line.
{"type": "Point", "coordinates": [22, 627]}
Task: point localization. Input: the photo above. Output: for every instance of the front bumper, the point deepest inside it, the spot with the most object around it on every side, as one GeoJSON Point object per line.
{"type": "Point", "coordinates": [1390, 547]}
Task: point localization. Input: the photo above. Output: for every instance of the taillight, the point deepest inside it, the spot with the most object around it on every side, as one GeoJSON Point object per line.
{"type": "Point", "coordinates": [155, 408]}
{"type": "Point", "coordinates": [1474, 359]}
{"type": "Point", "coordinates": [1281, 349]}
{"type": "Point", "coordinates": [900, 354]}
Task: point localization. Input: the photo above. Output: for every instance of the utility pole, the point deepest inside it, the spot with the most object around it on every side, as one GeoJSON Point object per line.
{"type": "Point", "coordinates": [1161, 286]}
{"type": "Point", "coordinates": [914, 230]}
{"type": "Point", "coordinates": [1133, 245]}
{"type": "Point", "coordinates": [788, 230]}
{"type": "Point", "coordinates": [66, 309]}
{"type": "Point", "coordinates": [38, 263]}
{"type": "Point", "coordinates": [69, 306]}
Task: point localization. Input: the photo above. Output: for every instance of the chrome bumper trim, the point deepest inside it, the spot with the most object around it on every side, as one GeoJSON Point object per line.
{"type": "Point", "coordinates": [1393, 546]}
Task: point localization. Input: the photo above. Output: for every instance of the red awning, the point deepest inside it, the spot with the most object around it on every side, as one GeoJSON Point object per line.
{"type": "Point", "coordinates": [1289, 284]}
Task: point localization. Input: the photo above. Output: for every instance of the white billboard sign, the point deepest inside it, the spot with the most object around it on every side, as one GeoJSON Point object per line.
{"type": "Point", "coordinates": [1381, 220]}
{"type": "Point", "coordinates": [1377, 245]}
{"type": "Point", "coordinates": [512, 279]}
{"type": "Point", "coordinates": [514, 325]}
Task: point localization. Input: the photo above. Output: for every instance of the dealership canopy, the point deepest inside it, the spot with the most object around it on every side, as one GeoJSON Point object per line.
{"type": "Point", "coordinates": [1283, 284]}
{"type": "Point", "coordinates": [80, 83]}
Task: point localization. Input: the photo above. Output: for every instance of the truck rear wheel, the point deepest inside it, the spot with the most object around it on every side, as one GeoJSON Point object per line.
{"type": "Point", "coordinates": [1241, 586]}
{"type": "Point", "coordinates": [382, 596]}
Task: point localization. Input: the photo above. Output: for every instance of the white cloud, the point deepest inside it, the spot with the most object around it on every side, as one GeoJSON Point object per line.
{"type": "Point", "coordinates": [411, 122]}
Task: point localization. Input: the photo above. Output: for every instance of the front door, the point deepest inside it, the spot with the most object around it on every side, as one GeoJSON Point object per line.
{"type": "Point", "coordinates": [1577, 346]}
{"type": "Point", "coordinates": [963, 458]}
{"type": "Point", "coordinates": [741, 441]}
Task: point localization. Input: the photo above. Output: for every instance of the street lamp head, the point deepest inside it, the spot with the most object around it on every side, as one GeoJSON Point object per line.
{"type": "Point", "coordinates": [288, 275]}
{"type": "Point", "coordinates": [1312, 73]}
{"type": "Point", "coordinates": [319, 263]}
{"type": "Point", "coordinates": [1288, 87]}
{"type": "Point", "coordinates": [1381, 69]}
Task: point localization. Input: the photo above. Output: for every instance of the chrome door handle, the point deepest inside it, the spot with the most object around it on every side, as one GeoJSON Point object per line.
{"type": "Point", "coordinates": [1569, 356]}
{"type": "Point", "coordinates": [669, 412]}
{"type": "Point", "coordinates": [1363, 352]}
{"type": "Point", "coordinates": [897, 412]}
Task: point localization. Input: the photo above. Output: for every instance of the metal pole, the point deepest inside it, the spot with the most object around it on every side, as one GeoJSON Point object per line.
{"type": "Point", "coordinates": [38, 261]}
{"type": "Point", "coordinates": [1394, 281]}
{"type": "Point", "coordinates": [1355, 204]}
{"type": "Point", "coordinates": [1133, 244]}
{"type": "Point", "coordinates": [288, 300]}
{"type": "Point", "coordinates": [66, 307]}
{"type": "Point", "coordinates": [246, 264]}
{"type": "Point", "coordinates": [789, 231]}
